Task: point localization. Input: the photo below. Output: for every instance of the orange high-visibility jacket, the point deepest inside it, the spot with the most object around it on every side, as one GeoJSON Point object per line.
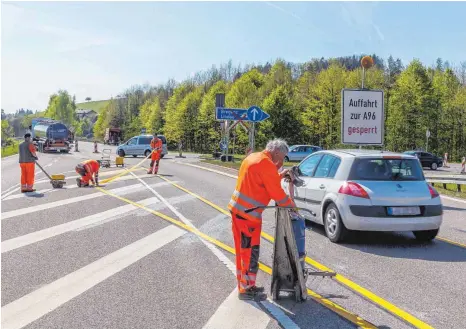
{"type": "Point", "coordinates": [156, 144]}
{"type": "Point", "coordinates": [92, 166]}
{"type": "Point", "coordinates": [258, 183]}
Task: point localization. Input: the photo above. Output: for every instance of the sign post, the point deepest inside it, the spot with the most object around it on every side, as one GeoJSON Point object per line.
{"type": "Point", "coordinates": [362, 117]}
{"type": "Point", "coordinates": [427, 140]}
{"type": "Point", "coordinates": [253, 114]}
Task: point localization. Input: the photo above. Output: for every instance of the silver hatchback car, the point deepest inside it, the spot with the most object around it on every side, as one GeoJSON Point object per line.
{"type": "Point", "coordinates": [367, 190]}
{"type": "Point", "coordinates": [140, 145]}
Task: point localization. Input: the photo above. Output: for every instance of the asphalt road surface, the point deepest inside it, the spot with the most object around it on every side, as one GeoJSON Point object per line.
{"type": "Point", "coordinates": [147, 251]}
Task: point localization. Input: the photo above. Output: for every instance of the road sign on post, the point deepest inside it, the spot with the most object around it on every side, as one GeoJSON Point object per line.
{"type": "Point", "coordinates": [362, 117]}
{"type": "Point", "coordinates": [255, 114]}
{"type": "Point", "coordinates": [222, 113]}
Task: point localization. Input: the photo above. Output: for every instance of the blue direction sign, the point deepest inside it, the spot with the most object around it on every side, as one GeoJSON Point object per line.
{"type": "Point", "coordinates": [222, 113]}
{"type": "Point", "coordinates": [223, 145]}
{"type": "Point", "coordinates": [255, 114]}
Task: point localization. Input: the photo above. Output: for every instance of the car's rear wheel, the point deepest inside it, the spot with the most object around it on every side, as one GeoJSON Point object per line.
{"type": "Point", "coordinates": [146, 154]}
{"type": "Point", "coordinates": [433, 166]}
{"type": "Point", "coordinates": [334, 227]}
{"type": "Point", "coordinates": [121, 153]}
{"type": "Point", "coordinates": [425, 236]}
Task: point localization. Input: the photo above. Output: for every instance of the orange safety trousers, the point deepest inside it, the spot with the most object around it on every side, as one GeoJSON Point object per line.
{"type": "Point", "coordinates": [27, 175]}
{"type": "Point", "coordinates": [247, 236]}
{"type": "Point", "coordinates": [85, 175]}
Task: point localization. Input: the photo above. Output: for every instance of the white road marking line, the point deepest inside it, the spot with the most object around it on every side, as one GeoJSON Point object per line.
{"type": "Point", "coordinates": [452, 199]}
{"type": "Point", "coordinates": [76, 225]}
{"type": "Point", "coordinates": [118, 191]}
{"type": "Point", "coordinates": [65, 187]}
{"type": "Point", "coordinates": [252, 315]}
{"type": "Point", "coordinates": [240, 314]}
{"type": "Point", "coordinates": [14, 188]}
{"type": "Point", "coordinates": [30, 194]}
{"type": "Point", "coordinates": [40, 302]}
{"type": "Point", "coordinates": [45, 206]}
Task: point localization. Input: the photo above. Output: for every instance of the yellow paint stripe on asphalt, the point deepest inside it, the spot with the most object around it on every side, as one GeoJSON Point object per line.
{"type": "Point", "coordinates": [360, 322]}
{"type": "Point", "coordinates": [125, 172]}
{"type": "Point", "coordinates": [452, 242]}
{"type": "Point", "coordinates": [340, 278]}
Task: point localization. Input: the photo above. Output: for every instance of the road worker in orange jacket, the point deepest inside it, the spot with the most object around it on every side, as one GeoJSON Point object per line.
{"type": "Point", "coordinates": [156, 146]}
{"type": "Point", "coordinates": [87, 169]}
{"type": "Point", "coordinates": [27, 163]}
{"type": "Point", "coordinates": [258, 183]}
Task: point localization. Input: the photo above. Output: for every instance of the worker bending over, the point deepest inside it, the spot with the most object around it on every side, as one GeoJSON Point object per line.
{"type": "Point", "coordinates": [27, 163]}
{"type": "Point", "coordinates": [258, 183]}
{"type": "Point", "coordinates": [156, 146]}
{"type": "Point", "coordinates": [87, 169]}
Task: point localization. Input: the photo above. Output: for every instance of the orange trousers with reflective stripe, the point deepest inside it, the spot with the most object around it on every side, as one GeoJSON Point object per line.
{"type": "Point", "coordinates": [247, 236]}
{"type": "Point", "coordinates": [27, 175]}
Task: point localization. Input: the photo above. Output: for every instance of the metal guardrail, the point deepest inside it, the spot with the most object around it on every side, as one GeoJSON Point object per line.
{"type": "Point", "coordinates": [444, 183]}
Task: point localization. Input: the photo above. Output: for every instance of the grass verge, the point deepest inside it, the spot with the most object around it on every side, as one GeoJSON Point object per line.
{"type": "Point", "coordinates": [10, 150]}
{"type": "Point", "coordinates": [451, 190]}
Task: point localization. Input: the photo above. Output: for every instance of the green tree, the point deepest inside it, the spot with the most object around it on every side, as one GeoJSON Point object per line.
{"type": "Point", "coordinates": [412, 110]}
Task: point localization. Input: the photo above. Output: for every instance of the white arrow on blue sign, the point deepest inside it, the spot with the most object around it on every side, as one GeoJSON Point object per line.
{"type": "Point", "coordinates": [255, 114]}
{"type": "Point", "coordinates": [223, 145]}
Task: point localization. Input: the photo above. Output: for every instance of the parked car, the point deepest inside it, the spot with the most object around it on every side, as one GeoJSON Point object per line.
{"type": "Point", "coordinates": [428, 160]}
{"type": "Point", "coordinates": [367, 191]}
{"type": "Point", "coordinates": [140, 145]}
{"type": "Point", "coordinates": [299, 152]}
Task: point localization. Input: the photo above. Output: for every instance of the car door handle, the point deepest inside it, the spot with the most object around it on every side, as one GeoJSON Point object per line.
{"type": "Point", "coordinates": [322, 186]}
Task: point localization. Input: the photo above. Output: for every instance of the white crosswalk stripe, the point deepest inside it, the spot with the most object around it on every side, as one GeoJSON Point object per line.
{"type": "Point", "coordinates": [65, 187]}
{"type": "Point", "coordinates": [118, 191]}
{"type": "Point", "coordinates": [31, 307]}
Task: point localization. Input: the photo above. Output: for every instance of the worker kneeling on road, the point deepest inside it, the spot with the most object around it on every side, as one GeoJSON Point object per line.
{"type": "Point", "coordinates": [258, 183]}
{"type": "Point", "coordinates": [87, 169]}
{"type": "Point", "coordinates": [27, 162]}
{"type": "Point", "coordinates": [156, 146]}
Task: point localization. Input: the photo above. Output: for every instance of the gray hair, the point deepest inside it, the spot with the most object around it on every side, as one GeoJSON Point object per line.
{"type": "Point", "coordinates": [277, 144]}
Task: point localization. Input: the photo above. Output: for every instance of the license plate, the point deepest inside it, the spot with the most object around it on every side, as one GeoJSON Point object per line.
{"type": "Point", "coordinates": [403, 211]}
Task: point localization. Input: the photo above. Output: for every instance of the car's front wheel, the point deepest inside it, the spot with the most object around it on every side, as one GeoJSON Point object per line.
{"type": "Point", "coordinates": [121, 153]}
{"type": "Point", "coordinates": [287, 159]}
{"type": "Point", "coordinates": [425, 236]}
{"type": "Point", "coordinates": [334, 227]}
{"type": "Point", "coordinates": [433, 166]}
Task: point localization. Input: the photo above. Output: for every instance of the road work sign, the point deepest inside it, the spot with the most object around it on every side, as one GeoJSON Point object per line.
{"type": "Point", "coordinates": [362, 117]}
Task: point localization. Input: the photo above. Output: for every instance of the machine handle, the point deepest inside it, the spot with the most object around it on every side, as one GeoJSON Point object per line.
{"type": "Point", "coordinates": [37, 163]}
{"type": "Point", "coordinates": [269, 207]}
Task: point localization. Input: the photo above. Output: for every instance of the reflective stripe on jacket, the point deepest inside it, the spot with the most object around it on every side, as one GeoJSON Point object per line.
{"type": "Point", "coordinates": [27, 152]}
{"type": "Point", "coordinates": [258, 183]}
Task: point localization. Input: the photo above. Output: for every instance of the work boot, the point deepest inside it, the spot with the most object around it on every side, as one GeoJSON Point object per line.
{"type": "Point", "coordinates": [78, 182]}
{"type": "Point", "coordinates": [258, 289]}
{"type": "Point", "coordinates": [252, 294]}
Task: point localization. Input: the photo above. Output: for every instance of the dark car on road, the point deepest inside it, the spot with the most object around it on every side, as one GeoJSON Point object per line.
{"type": "Point", "coordinates": [428, 160]}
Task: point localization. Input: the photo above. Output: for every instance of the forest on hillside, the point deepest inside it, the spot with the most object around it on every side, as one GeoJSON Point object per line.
{"type": "Point", "coordinates": [303, 100]}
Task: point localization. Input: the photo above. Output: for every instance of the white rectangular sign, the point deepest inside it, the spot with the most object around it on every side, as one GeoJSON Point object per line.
{"type": "Point", "coordinates": [362, 117]}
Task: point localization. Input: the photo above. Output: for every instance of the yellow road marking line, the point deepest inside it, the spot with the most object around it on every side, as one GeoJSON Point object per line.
{"type": "Point", "coordinates": [125, 172]}
{"type": "Point", "coordinates": [340, 278]}
{"type": "Point", "coordinates": [360, 322]}
{"type": "Point", "coordinates": [452, 242]}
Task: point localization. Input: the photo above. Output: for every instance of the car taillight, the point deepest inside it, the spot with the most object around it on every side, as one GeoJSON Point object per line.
{"type": "Point", "coordinates": [353, 189]}
{"type": "Point", "coordinates": [433, 192]}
